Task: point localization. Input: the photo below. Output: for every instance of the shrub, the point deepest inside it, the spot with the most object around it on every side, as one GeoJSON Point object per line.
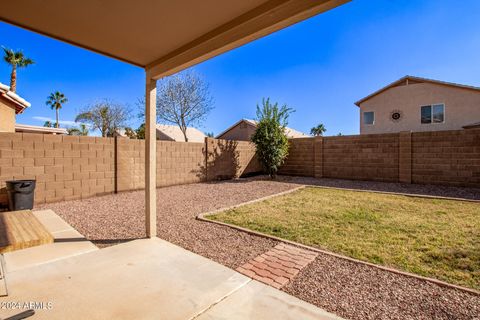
{"type": "Point", "coordinates": [270, 140]}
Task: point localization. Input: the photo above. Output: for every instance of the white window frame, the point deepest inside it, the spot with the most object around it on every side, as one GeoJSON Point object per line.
{"type": "Point", "coordinates": [363, 118]}
{"type": "Point", "coordinates": [431, 112]}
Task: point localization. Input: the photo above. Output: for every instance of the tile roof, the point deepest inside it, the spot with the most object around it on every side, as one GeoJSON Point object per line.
{"type": "Point", "coordinates": [291, 133]}
{"type": "Point", "coordinates": [20, 103]}
{"type": "Point", "coordinates": [174, 133]}
{"type": "Point", "coordinates": [416, 80]}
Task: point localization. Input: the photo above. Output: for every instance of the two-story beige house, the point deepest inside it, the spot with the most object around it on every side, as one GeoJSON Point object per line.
{"type": "Point", "coordinates": [419, 104]}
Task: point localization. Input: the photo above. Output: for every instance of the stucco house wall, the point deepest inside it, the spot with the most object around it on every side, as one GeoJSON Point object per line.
{"type": "Point", "coordinates": [462, 107]}
{"type": "Point", "coordinates": [7, 117]}
{"type": "Point", "coordinates": [242, 132]}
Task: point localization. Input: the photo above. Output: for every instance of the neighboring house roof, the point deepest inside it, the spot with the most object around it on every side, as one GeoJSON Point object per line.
{"type": "Point", "coordinates": [412, 80]}
{"type": "Point", "coordinates": [291, 133]}
{"type": "Point", "coordinates": [19, 103]}
{"type": "Point", "coordinates": [174, 133]}
{"type": "Point", "coordinates": [472, 126]}
{"type": "Point", "coordinates": [39, 129]}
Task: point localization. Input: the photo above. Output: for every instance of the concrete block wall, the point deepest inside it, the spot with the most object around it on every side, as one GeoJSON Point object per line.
{"type": "Point", "coordinates": [65, 167]}
{"type": "Point", "coordinates": [68, 167]}
{"type": "Point", "coordinates": [301, 159]}
{"type": "Point", "coordinates": [177, 163]}
{"type": "Point", "coordinates": [446, 157]}
{"type": "Point", "coordinates": [365, 157]}
{"type": "Point", "coordinates": [228, 159]}
{"type": "Point", "coordinates": [441, 157]}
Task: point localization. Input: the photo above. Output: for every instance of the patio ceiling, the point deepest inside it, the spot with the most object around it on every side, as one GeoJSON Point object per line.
{"type": "Point", "coordinates": [161, 36]}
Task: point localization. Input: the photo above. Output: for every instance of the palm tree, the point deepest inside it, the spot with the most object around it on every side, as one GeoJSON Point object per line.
{"type": "Point", "coordinates": [48, 124]}
{"type": "Point", "coordinates": [318, 130]}
{"type": "Point", "coordinates": [82, 130]}
{"type": "Point", "coordinates": [56, 100]}
{"type": "Point", "coordinates": [15, 59]}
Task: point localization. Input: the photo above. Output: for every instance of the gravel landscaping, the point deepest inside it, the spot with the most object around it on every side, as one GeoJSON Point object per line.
{"type": "Point", "coordinates": [348, 289]}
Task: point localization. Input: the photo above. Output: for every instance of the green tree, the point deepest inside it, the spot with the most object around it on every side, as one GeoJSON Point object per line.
{"type": "Point", "coordinates": [55, 101]}
{"type": "Point", "coordinates": [271, 142]}
{"type": "Point", "coordinates": [209, 134]}
{"type": "Point", "coordinates": [48, 124]}
{"type": "Point", "coordinates": [129, 132]}
{"type": "Point", "coordinates": [141, 131]}
{"type": "Point", "coordinates": [106, 116]}
{"type": "Point", "coordinates": [318, 130]}
{"type": "Point", "coordinates": [16, 59]}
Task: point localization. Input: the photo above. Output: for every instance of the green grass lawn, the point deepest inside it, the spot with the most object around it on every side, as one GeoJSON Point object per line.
{"type": "Point", "coordinates": [430, 237]}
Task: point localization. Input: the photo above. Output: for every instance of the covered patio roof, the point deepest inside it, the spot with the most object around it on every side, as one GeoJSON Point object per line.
{"type": "Point", "coordinates": [163, 37]}
{"type": "Point", "coordinates": [160, 36]}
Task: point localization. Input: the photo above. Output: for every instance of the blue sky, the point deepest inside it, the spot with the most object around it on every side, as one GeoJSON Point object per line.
{"type": "Point", "coordinates": [320, 67]}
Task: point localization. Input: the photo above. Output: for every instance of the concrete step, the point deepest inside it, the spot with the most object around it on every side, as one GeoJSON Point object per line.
{"type": "Point", "coordinates": [67, 243]}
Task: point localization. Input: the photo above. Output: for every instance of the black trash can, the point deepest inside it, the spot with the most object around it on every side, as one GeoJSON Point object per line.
{"type": "Point", "coordinates": [20, 194]}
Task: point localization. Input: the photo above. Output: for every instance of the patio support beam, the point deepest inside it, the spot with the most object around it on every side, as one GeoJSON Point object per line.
{"type": "Point", "coordinates": [151, 158]}
{"type": "Point", "coordinates": [269, 17]}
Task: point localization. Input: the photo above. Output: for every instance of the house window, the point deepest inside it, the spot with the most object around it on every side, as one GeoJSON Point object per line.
{"type": "Point", "coordinates": [369, 117]}
{"type": "Point", "coordinates": [434, 113]}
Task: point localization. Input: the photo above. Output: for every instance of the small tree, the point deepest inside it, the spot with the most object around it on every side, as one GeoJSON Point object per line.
{"type": "Point", "coordinates": [48, 124]}
{"type": "Point", "coordinates": [55, 101]}
{"type": "Point", "coordinates": [129, 132]}
{"type": "Point", "coordinates": [271, 142]}
{"type": "Point", "coordinates": [106, 116]}
{"type": "Point", "coordinates": [183, 99]}
{"type": "Point", "coordinates": [16, 59]}
{"type": "Point", "coordinates": [140, 132]}
{"type": "Point", "coordinates": [318, 130]}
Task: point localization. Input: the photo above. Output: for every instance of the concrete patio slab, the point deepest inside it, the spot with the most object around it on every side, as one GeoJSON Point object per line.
{"type": "Point", "coordinates": [258, 301]}
{"type": "Point", "coordinates": [146, 279]}
{"type": "Point", "coordinates": [142, 279]}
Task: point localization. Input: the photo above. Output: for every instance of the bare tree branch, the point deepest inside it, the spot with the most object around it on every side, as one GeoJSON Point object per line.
{"type": "Point", "coordinates": [183, 99]}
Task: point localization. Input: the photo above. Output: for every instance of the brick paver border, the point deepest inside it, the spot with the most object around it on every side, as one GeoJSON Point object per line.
{"type": "Point", "coordinates": [278, 266]}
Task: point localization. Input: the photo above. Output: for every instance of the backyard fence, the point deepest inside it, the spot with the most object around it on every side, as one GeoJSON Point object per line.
{"type": "Point", "coordinates": [69, 167]}
{"type": "Point", "coordinates": [441, 157]}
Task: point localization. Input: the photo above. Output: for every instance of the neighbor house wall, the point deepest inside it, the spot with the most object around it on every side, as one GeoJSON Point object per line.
{"type": "Point", "coordinates": [241, 132]}
{"type": "Point", "coordinates": [462, 107]}
{"type": "Point", "coordinates": [7, 117]}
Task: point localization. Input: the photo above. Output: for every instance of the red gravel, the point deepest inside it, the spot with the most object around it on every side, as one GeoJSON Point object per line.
{"type": "Point", "coordinates": [348, 289]}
